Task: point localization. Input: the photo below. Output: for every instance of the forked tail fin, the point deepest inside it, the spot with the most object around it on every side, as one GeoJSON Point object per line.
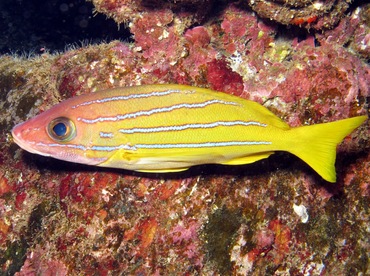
{"type": "Point", "coordinates": [316, 144]}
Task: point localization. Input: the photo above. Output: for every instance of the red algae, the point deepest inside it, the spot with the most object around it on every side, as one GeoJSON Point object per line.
{"type": "Point", "coordinates": [220, 77]}
{"type": "Point", "coordinates": [4, 185]}
{"type": "Point", "coordinates": [282, 239]}
{"type": "Point", "coordinates": [36, 264]}
{"type": "Point", "coordinates": [198, 36]}
{"type": "Point", "coordinates": [62, 218]}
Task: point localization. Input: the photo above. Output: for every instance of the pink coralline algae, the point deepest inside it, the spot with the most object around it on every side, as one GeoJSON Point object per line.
{"type": "Point", "coordinates": [353, 30]}
{"type": "Point", "coordinates": [310, 14]}
{"type": "Point", "coordinates": [128, 10]}
{"type": "Point", "coordinates": [68, 219]}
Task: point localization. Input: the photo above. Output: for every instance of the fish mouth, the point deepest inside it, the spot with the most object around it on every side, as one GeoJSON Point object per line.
{"type": "Point", "coordinates": [31, 147]}
{"type": "Point", "coordinates": [27, 146]}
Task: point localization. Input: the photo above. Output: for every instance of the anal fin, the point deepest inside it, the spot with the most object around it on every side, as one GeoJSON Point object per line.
{"type": "Point", "coordinates": [163, 170]}
{"type": "Point", "coordinates": [248, 159]}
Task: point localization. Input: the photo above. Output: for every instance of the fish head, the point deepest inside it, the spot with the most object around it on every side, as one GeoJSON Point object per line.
{"type": "Point", "coordinates": [57, 133]}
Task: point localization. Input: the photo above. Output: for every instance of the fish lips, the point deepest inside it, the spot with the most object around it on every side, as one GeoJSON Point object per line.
{"type": "Point", "coordinates": [18, 133]}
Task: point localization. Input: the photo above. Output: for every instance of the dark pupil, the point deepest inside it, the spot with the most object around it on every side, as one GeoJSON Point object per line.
{"type": "Point", "coordinates": [60, 129]}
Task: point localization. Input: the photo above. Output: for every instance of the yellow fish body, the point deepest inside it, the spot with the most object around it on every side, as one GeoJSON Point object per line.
{"type": "Point", "coordinates": [164, 128]}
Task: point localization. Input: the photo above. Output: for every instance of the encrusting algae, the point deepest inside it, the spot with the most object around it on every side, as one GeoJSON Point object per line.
{"type": "Point", "coordinates": [71, 219]}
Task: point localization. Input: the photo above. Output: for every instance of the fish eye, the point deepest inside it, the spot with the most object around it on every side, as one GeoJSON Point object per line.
{"type": "Point", "coordinates": [61, 129]}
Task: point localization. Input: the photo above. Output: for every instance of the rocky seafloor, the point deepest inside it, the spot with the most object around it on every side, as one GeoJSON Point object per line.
{"type": "Point", "coordinates": [273, 217]}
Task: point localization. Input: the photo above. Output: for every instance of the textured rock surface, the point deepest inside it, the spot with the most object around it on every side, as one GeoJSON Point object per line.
{"type": "Point", "coordinates": [274, 217]}
{"type": "Point", "coordinates": [309, 14]}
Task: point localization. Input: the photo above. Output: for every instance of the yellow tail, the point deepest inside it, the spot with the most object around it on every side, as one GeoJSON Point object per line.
{"type": "Point", "coordinates": [316, 144]}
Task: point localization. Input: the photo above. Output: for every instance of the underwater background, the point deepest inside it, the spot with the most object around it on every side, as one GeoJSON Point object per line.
{"type": "Point", "coordinates": [306, 61]}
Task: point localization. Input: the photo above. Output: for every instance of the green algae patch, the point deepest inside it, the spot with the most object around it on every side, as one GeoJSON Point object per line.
{"type": "Point", "coordinates": [36, 220]}
{"type": "Point", "coordinates": [25, 105]}
{"type": "Point", "coordinates": [219, 234]}
{"type": "Point", "coordinates": [15, 254]}
{"type": "Point", "coordinates": [8, 82]}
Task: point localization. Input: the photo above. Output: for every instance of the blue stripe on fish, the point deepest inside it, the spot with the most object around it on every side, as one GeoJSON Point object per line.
{"type": "Point", "coordinates": [202, 145]}
{"type": "Point", "coordinates": [180, 146]}
{"type": "Point", "coordinates": [129, 97]}
{"type": "Point", "coordinates": [105, 134]}
{"type": "Point", "coordinates": [190, 126]}
{"type": "Point", "coordinates": [153, 111]}
{"type": "Point", "coordinates": [160, 146]}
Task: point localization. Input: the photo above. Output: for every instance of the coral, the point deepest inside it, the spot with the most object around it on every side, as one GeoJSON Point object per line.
{"type": "Point", "coordinates": [63, 218]}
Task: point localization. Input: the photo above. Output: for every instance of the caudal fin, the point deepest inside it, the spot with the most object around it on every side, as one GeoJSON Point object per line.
{"type": "Point", "coordinates": [316, 144]}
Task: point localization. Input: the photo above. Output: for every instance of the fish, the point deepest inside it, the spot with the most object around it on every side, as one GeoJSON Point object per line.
{"type": "Point", "coordinates": [170, 127]}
